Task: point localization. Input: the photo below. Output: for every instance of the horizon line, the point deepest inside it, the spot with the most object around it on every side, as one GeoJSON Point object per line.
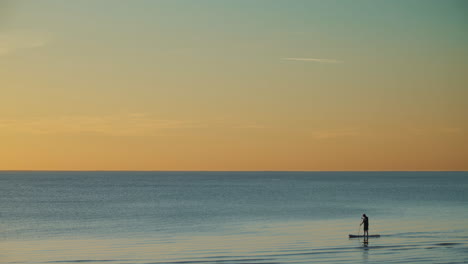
{"type": "Point", "coordinates": [233, 170]}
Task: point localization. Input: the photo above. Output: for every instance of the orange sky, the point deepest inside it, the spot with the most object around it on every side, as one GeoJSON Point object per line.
{"type": "Point", "coordinates": [233, 86]}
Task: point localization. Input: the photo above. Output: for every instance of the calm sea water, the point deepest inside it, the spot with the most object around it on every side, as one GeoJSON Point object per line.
{"type": "Point", "coordinates": [232, 217]}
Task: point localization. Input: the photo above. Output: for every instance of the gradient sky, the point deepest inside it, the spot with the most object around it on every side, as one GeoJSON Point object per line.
{"type": "Point", "coordinates": [234, 85]}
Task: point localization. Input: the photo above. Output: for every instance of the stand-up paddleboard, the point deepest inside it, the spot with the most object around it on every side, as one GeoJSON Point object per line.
{"type": "Point", "coordinates": [356, 236]}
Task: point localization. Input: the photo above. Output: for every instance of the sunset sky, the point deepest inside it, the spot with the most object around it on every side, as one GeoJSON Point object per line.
{"type": "Point", "coordinates": [234, 85]}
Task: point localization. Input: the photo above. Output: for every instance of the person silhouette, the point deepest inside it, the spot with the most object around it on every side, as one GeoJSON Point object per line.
{"type": "Point", "coordinates": [365, 222]}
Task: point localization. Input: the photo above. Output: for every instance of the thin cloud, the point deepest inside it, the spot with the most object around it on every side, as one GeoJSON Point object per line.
{"type": "Point", "coordinates": [451, 130]}
{"type": "Point", "coordinates": [14, 42]}
{"type": "Point", "coordinates": [335, 133]}
{"type": "Point", "coordinates": [129, 124]}
{"type": "Point", "coordinates": [235, 124]}
{"type": "Point", "coordinates": [110, 125]}
{"type": "Point", "coordinates": [314, 60]}
{"type": "Point", "coordinates": [250, 126]}
{"type": "Point", "coordinates": [448, 131]}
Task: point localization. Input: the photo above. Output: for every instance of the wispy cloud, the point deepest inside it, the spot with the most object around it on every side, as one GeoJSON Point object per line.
{"type": "Point", "coordinates": [335, 133]}
{"type": "Point", "coordinates": [128, 124]}
{"type": "Point", "coordinates": [134, 124]}
{"type": "Point", "coordinates": [235, 124]}
{"type": "Point", "coordinates": [447, 131]}
{"type": "Point", "coordinates": [451, 130]}
{"type": "Point", "coordinates": [315, 60]}
{"type": "Point", "coordinates": [249, 126]}
{"type": "Point", "coordinates": [16, 41]}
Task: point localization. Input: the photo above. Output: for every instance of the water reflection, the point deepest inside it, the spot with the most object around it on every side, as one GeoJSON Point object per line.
{"type": "Point", "coordinates": [365, 252]}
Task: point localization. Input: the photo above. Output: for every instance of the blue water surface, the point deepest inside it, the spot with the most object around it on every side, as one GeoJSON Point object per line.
{"type": "Point", "coordinates": [232, 217]}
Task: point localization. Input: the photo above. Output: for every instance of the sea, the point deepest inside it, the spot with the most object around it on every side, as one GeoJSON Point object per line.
{"type": "Point", "coordinates": [232, 217]}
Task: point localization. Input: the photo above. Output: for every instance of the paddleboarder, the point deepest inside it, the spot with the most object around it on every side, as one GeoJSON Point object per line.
{"type": "Point", "coordinates": [365, 222]}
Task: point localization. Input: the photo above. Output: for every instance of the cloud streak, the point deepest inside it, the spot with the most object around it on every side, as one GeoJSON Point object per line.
{"type": "Point", "coordinates": [314, 60]}
{"type": "Point", "coordinates": [110, 125]}
{"type": "Point", "coordinates": [446, 131]}
{"type": "Point", "coordinates": [130, 124]}
{"type": "Point", "coordinates": [14, 42]}
{"type": "Point", "coordinates": [335, 133]}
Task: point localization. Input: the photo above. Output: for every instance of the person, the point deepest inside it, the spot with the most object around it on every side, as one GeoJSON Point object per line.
{"type": "Point", "coordinates": [365, 222]}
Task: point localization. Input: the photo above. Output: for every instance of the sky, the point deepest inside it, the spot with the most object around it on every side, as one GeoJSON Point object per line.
{"type": "Point", "coordinates": [234, 85]}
